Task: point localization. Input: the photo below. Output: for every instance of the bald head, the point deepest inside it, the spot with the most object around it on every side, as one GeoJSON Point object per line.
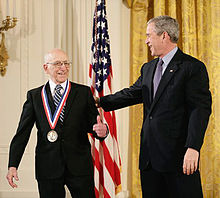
{"type": "Point", "coordinates": [51, 55]}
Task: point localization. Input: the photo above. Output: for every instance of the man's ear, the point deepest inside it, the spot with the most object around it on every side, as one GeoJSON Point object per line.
{"type": "Point", "coordinates": [166, 35]}
{"type": "Point", "coordinates": [45, 66]}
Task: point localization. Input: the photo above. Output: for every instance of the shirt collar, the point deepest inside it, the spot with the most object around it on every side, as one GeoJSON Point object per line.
{"type": "Point", "coordinates": [53, 85]}
{"type": "Point", "coordinates": [166, 59]}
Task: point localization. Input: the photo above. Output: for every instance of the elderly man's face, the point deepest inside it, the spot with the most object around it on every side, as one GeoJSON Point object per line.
{"type": "Point", "coordinates": [57, 67]}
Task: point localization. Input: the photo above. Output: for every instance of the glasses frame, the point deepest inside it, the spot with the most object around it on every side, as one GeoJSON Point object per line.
{"type": "Point", "coordinates": [59, 64]}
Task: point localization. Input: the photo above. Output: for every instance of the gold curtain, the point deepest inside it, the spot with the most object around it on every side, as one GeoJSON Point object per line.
{"type": "Point", "coordinates": [200, 37]}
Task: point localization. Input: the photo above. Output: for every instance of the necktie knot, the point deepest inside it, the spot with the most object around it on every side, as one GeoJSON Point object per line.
{"type": "Point", "coordinates": [58, 87]}
{"type": "Point", "coordinates": [57, 99]}
{"type": "Point", "coordinates": [160, 62]}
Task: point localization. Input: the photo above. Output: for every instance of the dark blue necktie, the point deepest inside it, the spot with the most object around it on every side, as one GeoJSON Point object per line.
{"type": "Point", "coordinates": [57, 98]}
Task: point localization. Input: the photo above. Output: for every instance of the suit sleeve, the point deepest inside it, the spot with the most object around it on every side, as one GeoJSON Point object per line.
{"type": "Point", "coordinates": [23, 132]}
{"type": "Point", "coordinates": [124, 98]}
{"type": "Point", "coordinates": [92, 114]}
{"type": "Point", "coordinates": [198, 98]}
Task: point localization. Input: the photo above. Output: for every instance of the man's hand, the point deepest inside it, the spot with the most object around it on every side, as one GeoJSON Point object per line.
{"type": "Point", "coordinates": [12, 174]}
{"type": "Point", "coordinates": [190, 162]}
{"type": "Point", "coordinates": [100, 128]}
{"type": "Point", "coordinates": [97, 101]}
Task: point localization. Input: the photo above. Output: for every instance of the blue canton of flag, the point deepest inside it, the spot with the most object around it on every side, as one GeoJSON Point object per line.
{"type": "Point", "coordinates": [101, 61]}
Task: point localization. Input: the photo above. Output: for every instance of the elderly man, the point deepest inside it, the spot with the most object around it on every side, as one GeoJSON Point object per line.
{"type": "Point", "coordinates": [64, 113]}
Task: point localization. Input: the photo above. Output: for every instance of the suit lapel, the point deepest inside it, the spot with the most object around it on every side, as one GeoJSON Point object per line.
{"type": "Point", "coordinates": [148, 79]}
{"type": "Point", "coordinates": [50, 98]}
{"type": "Point", "coordinates": [72, 94]}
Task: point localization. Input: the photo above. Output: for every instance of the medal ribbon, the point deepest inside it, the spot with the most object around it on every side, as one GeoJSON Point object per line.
{"type": "Point", "coordinates": [52, 119]}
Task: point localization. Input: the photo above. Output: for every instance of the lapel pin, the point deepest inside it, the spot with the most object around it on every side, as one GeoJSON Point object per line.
{"type": "Point", "coordinates": [171, 71]}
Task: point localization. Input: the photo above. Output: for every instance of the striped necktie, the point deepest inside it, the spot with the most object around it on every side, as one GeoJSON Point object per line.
{"type": "Point", "coordinates": [57, 98]}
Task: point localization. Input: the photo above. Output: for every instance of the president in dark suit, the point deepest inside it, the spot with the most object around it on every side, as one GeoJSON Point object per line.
{"type": "Point", "coordinates": [64, 113]}
{"type": "Point", "coordinates": [174, 90]}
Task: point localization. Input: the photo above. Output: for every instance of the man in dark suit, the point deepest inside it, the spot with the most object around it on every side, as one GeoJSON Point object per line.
{"type": "Point", "coordinates": [64, 113]}
{"type": "Point", "coordinates": [174, 90]}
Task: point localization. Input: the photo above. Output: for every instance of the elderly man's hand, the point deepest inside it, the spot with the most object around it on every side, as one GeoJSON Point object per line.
{"type": "Point", "coordinates": [100, 128]}
{"type": "Point", "coordinates": [12, 174]}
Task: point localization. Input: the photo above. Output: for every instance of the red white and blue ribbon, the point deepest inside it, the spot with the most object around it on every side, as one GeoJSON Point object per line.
{"type": "Point", "coordinates": [52, 119]}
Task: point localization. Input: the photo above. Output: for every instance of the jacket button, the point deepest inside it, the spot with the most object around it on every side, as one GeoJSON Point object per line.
{"type": "Point", "coordinates": [150, 117]}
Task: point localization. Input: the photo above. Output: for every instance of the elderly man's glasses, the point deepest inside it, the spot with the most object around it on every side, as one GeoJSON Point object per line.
{"type": "Point", "coordinates": [59, 64]}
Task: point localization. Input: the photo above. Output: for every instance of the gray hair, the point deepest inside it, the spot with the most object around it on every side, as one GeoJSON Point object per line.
{"type": "Point", "coordinates": [166, 24]}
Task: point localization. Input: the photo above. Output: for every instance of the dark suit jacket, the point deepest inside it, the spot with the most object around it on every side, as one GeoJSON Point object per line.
{"type": "Point", "coordinates": [72, 148]}
{"type": "Point", "coordinates": [176, 118]}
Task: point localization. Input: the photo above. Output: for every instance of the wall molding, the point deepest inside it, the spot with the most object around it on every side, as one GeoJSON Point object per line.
{"type": "Point", "coordinates": [33, 194]}
{"type": "Point", "coordinates": [4, 149]}
{"type": "Point", "coordinates": [16, 194]}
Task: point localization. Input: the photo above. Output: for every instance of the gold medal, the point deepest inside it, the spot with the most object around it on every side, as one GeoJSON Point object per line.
{"type": "Point", "coordinates": [52, 136]}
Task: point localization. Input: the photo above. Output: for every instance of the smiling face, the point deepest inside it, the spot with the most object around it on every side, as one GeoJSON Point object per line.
{"type": "Point", "coordinates": [154, 41]}
{"type": "Point", "coordinates": [57, 74]}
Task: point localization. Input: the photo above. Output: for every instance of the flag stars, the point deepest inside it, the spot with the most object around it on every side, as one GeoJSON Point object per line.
{"type": "Point", "coordinates": [99, 72]}
{"type": "Point", "coordinates": [98, 83]}
{"type": "Point", "coordinates": [103, 25]}
{"type": "Point", "coordinates": [103, 13]}
{"type": "Point", "coordinates": [104, 60]}
{"type": "Point", "coordinates": [99, 13]}
{"type": "Point", "coordinates": [101, 47]}
{"type": "Point", "coordinates": [99, 2]}
{"type": "Point", "coordinates": [105, 72]}
{"type": "Point", "coordinates": [94, 61]}
{"type": "Point", "coordinates": [106, 49]}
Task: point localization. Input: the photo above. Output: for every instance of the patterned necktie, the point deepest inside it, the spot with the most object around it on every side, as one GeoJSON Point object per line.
{"type": "Point", "coordinates": [57, 98]}
{"type": "Point", "coordinates": [158, 75]}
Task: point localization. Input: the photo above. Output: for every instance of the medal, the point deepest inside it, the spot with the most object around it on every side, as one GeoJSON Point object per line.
{"type": "Point", "coordinates": [52, 136]}
{"type": "Point", "coordinates": [52, 120]}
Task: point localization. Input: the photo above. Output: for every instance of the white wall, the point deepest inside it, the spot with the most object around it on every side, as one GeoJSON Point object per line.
{"type": "Point", "coordinates": [42, 26]}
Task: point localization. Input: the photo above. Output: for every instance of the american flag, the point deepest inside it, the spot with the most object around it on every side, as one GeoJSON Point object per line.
{"type": "Point", "coordinates": [106, 157]}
